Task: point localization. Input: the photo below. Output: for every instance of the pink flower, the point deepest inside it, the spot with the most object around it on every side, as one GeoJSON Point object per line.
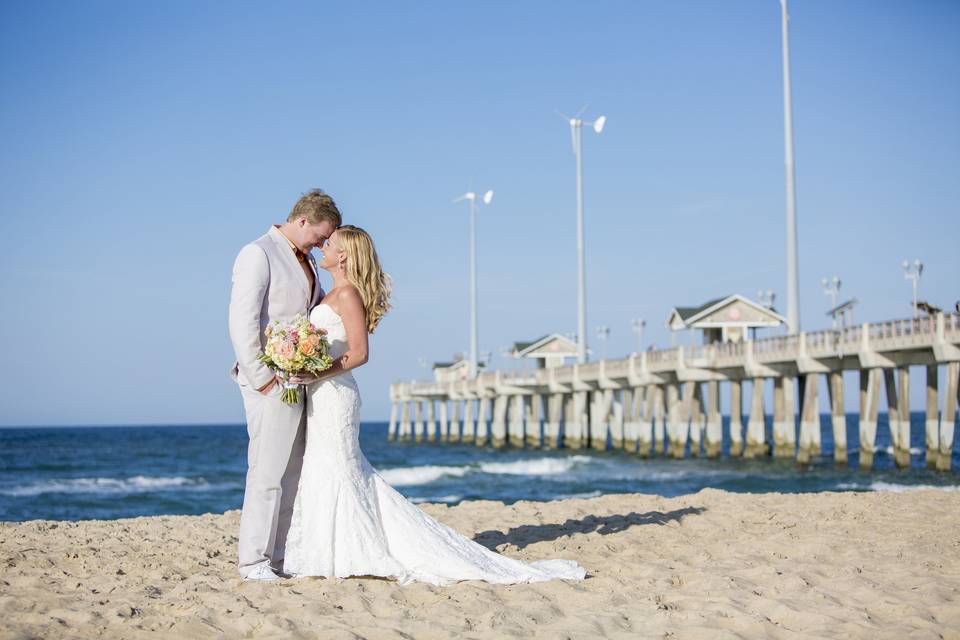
{"type": "Point", "coordinates": [287, 349]}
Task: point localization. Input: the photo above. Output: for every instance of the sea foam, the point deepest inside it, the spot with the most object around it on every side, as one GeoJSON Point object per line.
{"type": "Point", "coordinates": [535, 466]}
{"type": "Point", "coordinates": [136, 484]}
{"type": "Point", "coordinates": [894, 487]}
{"type": "Point", "coordinates": [914, 451]}
{"type": "Point", "coordinates": [412, 476]}
{"type": "Point", "coordinates": [447, 499]}
{"type": "Point", "coordinates": [579, 496]}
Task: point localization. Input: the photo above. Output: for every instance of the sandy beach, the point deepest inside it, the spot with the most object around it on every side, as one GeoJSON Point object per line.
{"type": "Point", "coordinates": [707, 565]}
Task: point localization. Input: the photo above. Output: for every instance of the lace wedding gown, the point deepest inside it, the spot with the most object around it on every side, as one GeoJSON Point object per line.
{"type": "Point", "coordinates": [347, 521]}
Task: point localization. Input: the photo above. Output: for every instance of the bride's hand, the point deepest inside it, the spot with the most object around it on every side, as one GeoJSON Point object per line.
{"type": "Point", "coordinates": [303, 378]}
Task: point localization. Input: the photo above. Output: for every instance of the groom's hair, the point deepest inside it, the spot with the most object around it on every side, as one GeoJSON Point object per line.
{"type": "Point", "coordinates": [316, 206]}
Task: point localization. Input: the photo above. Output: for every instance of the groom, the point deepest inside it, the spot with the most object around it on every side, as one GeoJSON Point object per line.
{"type": "Point", "coordinates": [274, 278]}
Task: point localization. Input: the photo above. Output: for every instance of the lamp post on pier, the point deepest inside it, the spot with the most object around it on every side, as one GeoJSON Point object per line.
{"type": "Point", "coordinates": [638, 326]}
{"type": "Point", "coordinates": [472, 198]}
{"type": "Point", "coordinates": [831, 287]}
{"type": "Point", "coordinates": [913, 272]}
{"type": "Point", "coordinates": [603, 332]}
{"type": "Point", "coordinates": [576, 125]}
{"type": "Point", "coordinates": [766, 298]}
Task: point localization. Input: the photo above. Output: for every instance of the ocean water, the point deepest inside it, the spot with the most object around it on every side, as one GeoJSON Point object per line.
{"type": "Point", "coordinates": [117, 472]}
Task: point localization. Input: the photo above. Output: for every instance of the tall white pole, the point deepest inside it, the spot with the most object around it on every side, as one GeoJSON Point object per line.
{"type": "Point", "coordinates": [473, 289]}
{"type": "Point", "coordinates": [793, 277]}
{"type": "Point", "coordinates": [581, 259]}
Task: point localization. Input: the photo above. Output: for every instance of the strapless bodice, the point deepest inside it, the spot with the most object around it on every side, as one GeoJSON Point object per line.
{"type": "Point", "coordinates": [323, 317]}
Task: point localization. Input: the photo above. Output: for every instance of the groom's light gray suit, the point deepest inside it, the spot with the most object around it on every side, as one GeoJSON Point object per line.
{"type": "Point", "coordinates": [268, 284]}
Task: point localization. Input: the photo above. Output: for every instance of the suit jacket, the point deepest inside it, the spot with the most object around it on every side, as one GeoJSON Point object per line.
{"type": "Point", "coordinates": [268, 284]}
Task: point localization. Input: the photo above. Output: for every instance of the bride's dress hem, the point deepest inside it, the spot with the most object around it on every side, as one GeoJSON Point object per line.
{"type": "Point", "coordinates": [409, 578]}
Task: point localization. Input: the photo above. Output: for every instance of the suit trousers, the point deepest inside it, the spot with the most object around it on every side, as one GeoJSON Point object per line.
{"type": "Point", "coordinates": [277, 434]}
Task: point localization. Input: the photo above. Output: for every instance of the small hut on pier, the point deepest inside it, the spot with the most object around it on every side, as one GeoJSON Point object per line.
{"type": "Point", "coordinates": [458, 369]}
{"type": "Point", "coordinates": [549, 351]}
{"type": "Point", "coordinates": [727, 319]}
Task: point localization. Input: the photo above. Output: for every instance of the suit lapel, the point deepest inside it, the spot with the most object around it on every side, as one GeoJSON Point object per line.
{"type": "Point", "coordinates": [317, 289]}
{"type": "Point", "coordinates": [291, 260]}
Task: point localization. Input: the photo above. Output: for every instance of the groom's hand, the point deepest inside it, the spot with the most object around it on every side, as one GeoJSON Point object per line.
{"type": "Point", "coordinates": [265, 389]}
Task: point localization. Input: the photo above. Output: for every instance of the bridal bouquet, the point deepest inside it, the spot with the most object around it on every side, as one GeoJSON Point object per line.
{"type": "Point", "coordinates": [295, 347]}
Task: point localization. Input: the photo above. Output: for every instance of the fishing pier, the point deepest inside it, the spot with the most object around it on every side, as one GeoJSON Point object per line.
{"type": "Point", "coordinates": [662, 401]}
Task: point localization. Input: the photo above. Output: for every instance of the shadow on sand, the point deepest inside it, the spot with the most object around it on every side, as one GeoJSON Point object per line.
{"type": "Point", "coordinates": [526, 534]}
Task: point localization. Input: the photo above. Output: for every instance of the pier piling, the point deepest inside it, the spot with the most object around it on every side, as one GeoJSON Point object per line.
{"type": "Point", "coordinates": [551, 427]}
{"type": "Point", "coordinates": [431, 422]}
{"type": "Point", "coordinates": [674, 413]}
{"type": "Point", "coordinates": [838, 417]}
{"type": "Point", "coordinates": [498, 424]}
{"type": "Point", "coordinates": [951, 398]}
{"type": "Point", "coordinates": [454, 434]}
{"type": "Point", "coordinates": [534, 407]}
{"type": "Point", "coordinates": [392, 426]}
{"type": "Point", "coordinates": [869, 408]}
{"type": "Point", "coordinates": [515, 422]}
{"type": "Point", "coordinates": [617, 418]}
{"type": "Point", "coordinates": [632, 402]}
{"type": "Point", "coordinates": [660, 419]}
{"type": "Point", "coordinates": [406, 430]}
{"type": "Point", "coordinates": [713, 441]}
{"type": "Point", "coordinates": [645, 400]}
{"type": "Point", "coordinates": [481, 435]}
{"type": "Point", "coordinates": [444, 424]}
{"type": "Point", "coordinates": [698, 416]}
{"type": "Point", "coordinates": [783, 447]}
{"type": "Point", "coordinates": [809, 419]}
{"type": "Point", "coordinates": [418, 421]}
{"type": "Point", "coordinates": [736, 418]}
{"type": "Point", "coordinates": [932, 422]}
{"type": "Point", "coordinates": [756, 427]}
{"type": "Point", "coordinates": [896, 416]}
{"type": "Point", "coordinates": [469, 429]}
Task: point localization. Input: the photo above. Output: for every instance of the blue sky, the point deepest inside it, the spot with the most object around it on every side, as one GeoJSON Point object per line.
{"type": "Point", "coordinates": [144, 143]}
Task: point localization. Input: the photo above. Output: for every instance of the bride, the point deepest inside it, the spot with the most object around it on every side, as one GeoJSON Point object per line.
{"type": "Point", "coordinates": [347, 521]}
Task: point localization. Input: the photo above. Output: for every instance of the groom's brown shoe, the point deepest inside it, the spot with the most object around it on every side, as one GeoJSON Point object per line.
{"type": "Point", "coordinates": [277, 566]}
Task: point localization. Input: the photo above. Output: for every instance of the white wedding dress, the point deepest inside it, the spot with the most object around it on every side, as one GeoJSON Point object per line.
{"type": "Point", "coordinates": [347, 521]}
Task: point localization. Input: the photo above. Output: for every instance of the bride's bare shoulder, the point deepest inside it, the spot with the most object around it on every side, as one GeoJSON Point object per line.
{"type": "Point", "coordinates": [348, 300]}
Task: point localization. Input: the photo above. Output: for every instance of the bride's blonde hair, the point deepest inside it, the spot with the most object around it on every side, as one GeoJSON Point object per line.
{"type": "Point", "coordinates": [363, 271]}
